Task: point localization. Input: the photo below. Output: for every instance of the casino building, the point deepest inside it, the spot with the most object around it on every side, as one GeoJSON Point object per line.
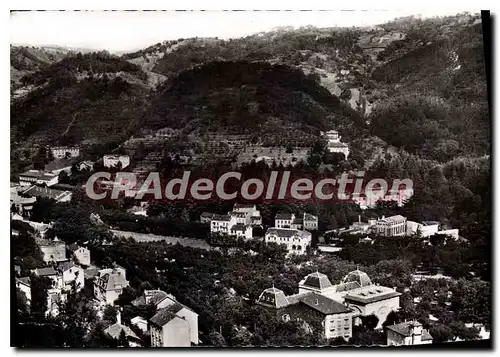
{"type": "Point", "coordinates": [333, 308]}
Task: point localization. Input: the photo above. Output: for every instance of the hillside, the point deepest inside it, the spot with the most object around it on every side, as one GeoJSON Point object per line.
{"type": "Point", "coordinates": [413, 84]}
{"type": "Point", "coordinates": [273, 104]}
{"type": "Point", "coordinates": [95, 98]}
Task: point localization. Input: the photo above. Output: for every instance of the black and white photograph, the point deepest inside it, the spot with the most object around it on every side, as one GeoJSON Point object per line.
{"type": "Point", "coordinates": [228, 179]}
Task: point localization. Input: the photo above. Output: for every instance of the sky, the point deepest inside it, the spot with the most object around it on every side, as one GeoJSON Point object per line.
{"type": "Point", "coordinates": [120, 31]}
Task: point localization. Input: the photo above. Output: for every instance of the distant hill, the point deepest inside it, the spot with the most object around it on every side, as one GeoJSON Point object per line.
{"type": "Point", "coordinates": [274, 103]}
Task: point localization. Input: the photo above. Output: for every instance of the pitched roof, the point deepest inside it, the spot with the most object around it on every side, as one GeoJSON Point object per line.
{"type": "Point", "coordinates": [283, 232]}
{"type": "Point", "coordinates": [141, 300]}
{"type": "Point", "coordinates": [310, 217]}
{"type": "Point", "coordinates": [221, 217]}
{"type": "Point", "coordinates": [63, 266]}
{"type": "Point", "coordinates": [112, 280]}
{"type": "Point", "coordinates": [323, 304]}
{"type": "Point", "coordinates": [58, 164]}
{"type": "Point", "coordinates": [115, 330]}
{"type": "Point", "coordinates": [207, 214]}
{"type": "Point", "coordinates": [24, 280]}
{"type": "Point", "coordinates": [404, 329]}
{"type": "Point", "coordinates": [45, 271]}
{"type": "Point", "coordinates": [273, 297]}
{"type": "Point", "coordinates": [316, 280]}
{"type": "Point", "coordinates": [284, 216]}
{"type": "Point", "coordinates": [158, 297]}
{"type": "Point", "coordinates": [239, 227]}
{"type": "Point", "coordinates": [162, 317]}
{"type": "Point", "coordinates": [243, 205]}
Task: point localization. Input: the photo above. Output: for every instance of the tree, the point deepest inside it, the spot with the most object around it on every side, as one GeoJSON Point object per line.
{"type": "Point", "coordinates": [110, 313]}
{"type": "Point", "coordinates": [122, 340]}
{"type": "Point", "coordinates": [369, 322]}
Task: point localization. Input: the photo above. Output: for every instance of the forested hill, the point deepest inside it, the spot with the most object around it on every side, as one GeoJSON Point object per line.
{"type": "Point", "coordinates": [417, 84]}
{"type": "Point", "coordinates": [271, 102]}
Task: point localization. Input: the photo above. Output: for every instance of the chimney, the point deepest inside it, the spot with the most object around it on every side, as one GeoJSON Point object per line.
{"type": "Point", "coordinates": [359, 218]}
{"type": "Point", "coordinates": [383, 217]}
{"type": "Point", "coordinates": [118, 316]}
{"type": "Point", "coordinates": [316, 302]}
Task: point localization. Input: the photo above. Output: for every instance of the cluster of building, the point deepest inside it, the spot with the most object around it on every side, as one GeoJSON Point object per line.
{"type": "Point", "coordinates": [398, 226]}
{"type": "Point", "coordinates": [64, 274]}
{"type": "Point", "coordinates": [334, 143]}
{"type": "Point", "coordinates": [371, 198]}
{"type": "Point", "coordinates": [292, 231]}
{"type": "Point", "coordinates": [335, 309]}
{"type": "Point", "coordinates": [173, 325]}
{"type": "Point", "coordinates": [237, 223]}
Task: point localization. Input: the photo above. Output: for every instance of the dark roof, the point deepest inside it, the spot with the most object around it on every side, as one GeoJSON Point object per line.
{"type": "Point", "coordinates": [73, 246]}
{"type": "Point", "coordinates": [244, 205]}
{"type": "Point", "coordinates": [317, 280]}
{"type": "Point", "coordinates": [273, 297]}
{"type": "Point", "coordinates": [207, 214]}
{"type": "Point", "coordinates": [25, 280]}
{"type": "Point", "coordinates": [403, 329]}
{"type": "Point", "coordinates": [158, 297]}
{"type": "Point", "coordinates": [58, 164]}
{"type": "Point", "coordinates": [175, 307]}
{"type": "Point", "coordinates": [285, 216]}
{"type": "Point", "coordinates": [282, 232]}
{"type": "Point", "coordinates": [45, 271]}
{"type": "Point", "coordinates": [62, 186]}
{"type": "Point", "coordinates": [324, 305]}
{"type": "Point", "coordinates": [162, 317]}
{"type": "Point", "coordinates": [221, 217]}
{"type": "Point", "coordinates": [298, 221]}
{"type": "Point", "coordinates": [239, 227]}
{"type": "Point", "coordinates": [32, 173]}
{"type": "Point", "coordinates": [63, 266]}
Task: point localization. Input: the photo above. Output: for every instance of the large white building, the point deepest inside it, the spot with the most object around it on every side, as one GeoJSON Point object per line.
{"type": "Point", "coordinates": [289, 220]}
{"type": "Point", "coordinates": [237, 223]}
{"type": "Point", "coordinates": [371, 198]}
{"type": "Point", "coordinates": [114, 160]}
{"type": "Point", "coordinates": [337, 307]}
{"type": "Point", "coordinates": [391, 226]}
{"type": "Point", "coordinates": [109, 284]}
{"type": "Point", "coordinates": [62, 152]}
{"type": "Point", "coordinates": [296, 241]}
{"type": "Point", "coordinates": [334, 144]}
{"type": "Point", "coordinates": [407, 334]}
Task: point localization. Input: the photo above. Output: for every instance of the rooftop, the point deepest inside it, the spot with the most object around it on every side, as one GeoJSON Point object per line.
{"type": "Point", "coordinates": [115, 330]}
{"type": "Point", "coordinates": [359, 277]}
{"type": "Point", "coordinates": [324, 305]}
{"type": "Point", "coordinates": [285, 232]}
{"type": "Point", "coordinates": [405, 329]}
{"type": "Point", "coordinates": [221, 217]}
{"type": "Point", "coordinates": [393, 219]}
{"type": "Point", "coordinates": [316, 280]}
{"type": "Point", "coordinates": [162, 317]}
{"type": "Point", "coordinates": [284, 216]}
{"type": "Point", "coordinates": [273, 297]}
{"type": "Point", "coordinates": [45, 271]}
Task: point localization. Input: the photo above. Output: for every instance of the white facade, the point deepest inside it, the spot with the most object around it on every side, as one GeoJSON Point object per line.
{"type": "Point", "coordinates": [296, 241]}
{"type": "Point", "coordinates": [24, 285]}
{"type": "Point", "coordinates": [109, 284]}
{"type": "Point", "coordinates": [82, 254]}
{"type": "Point", "coordinates": [222, 223]}
{"type": "Point", "coordinates": [371, 198]}
{"type": "Point", "coordinates": [175, 333]}
{"type": "Point", "coordinates": [72, 274]}
{"type": "Point", "coordinates": [407, 334]}
{"type": "Point", "coordinates": [334, 143]}
{"type": "Point", "coordinates": [61, 152]}
{"type": "Point", "coordinates": [391, 226]}
{"type": "Point", "coordinates": [113, 160]}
